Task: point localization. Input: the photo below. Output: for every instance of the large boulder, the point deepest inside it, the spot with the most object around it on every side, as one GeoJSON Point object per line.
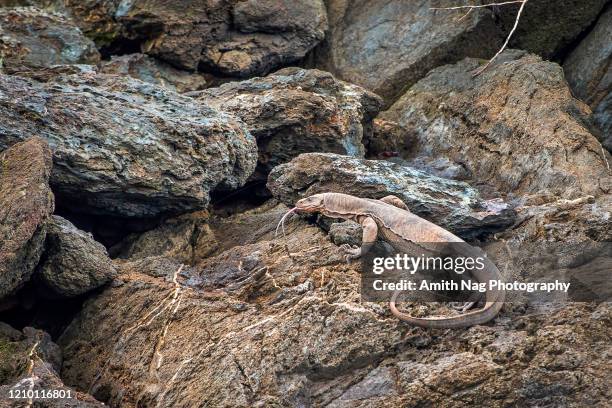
{"type": "Point", "coordinates": [26, 202]}
{"type": "Point", "coordinates": [73, 263]}
{"type": "Point", "coordinates": [148, 69]}
{"type": "Point", "coordinates": [454, 205]}
{"type": "Point", "coordinates": [549, 27]}
{"type": "Point", "coordinates": [295, 111]}
{"type": "Point", "coordinates": [389, 47]}
{"type": "Point", "coordinates": [588, 70]}
{"type": "Point", "coordinates": [269, 336]}
{"type": "Point", "coordinates": [515, 127]}
{"type": "Point", "coordinates": [279, 322]}
{"type": "Point", "coordinates": [31, 361]}
{"type": "Point", "coordinates": [31, 37]}
{"type": "Point", "coordinates": [125, 147]}
{"type": "Point", "coordinates": [237, 38]}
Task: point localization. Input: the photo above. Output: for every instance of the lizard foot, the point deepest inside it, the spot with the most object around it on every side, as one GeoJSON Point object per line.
{"type": "Point", "coordinates": [462, 306]}
{"type": "Point", "coordinates": [352, 252]}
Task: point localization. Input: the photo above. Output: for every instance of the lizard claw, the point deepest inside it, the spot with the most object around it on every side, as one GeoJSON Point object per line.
{"type": "Point", "coordinates": [352, 252]}
{"type": "Point", "coordinates": [461, 306]}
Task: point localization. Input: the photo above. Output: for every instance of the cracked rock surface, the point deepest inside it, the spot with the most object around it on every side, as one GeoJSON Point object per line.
{"type": "Point", "coordinates": [494, 123]}
{"type": "Point", "coordinates": [125, 147]}
{"type": "Point", "coordinates": [230, 37]}
{"type": "Point", "coordinates": [26, 202]}
{"type": "Point", "coordinates": [31, 360]}
{"type": "Point", "coordinates": [31, 37]}
{"type": "Point", "coordinates": [295, 111]}
{"type": "Point", "coordinates": [279, 322]}
{"type": "Point", "coordinates": [73, 262]}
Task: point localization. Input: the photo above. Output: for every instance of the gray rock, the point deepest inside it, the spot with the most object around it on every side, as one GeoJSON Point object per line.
{"type": "Point", "coordinates": [242, 38]}
{"type": "Point", "coordinates": [125, 147]}
{"type": "Point", "coordinates": [31, 37]}
{"type": "Point", "coordinates": [295, 111]}
{"type": "Point", "coordinates": [589, 72]}
{"type": "Point", "coordinates": [515, 128]}
{"type": "Point", "coordinates": [26, 202]}
{"type": "Point", "coordinates": [549, 27]}
{"type": "Point", "coordinates": [73, 263]}
{"type": "Point", "coordinates": [451, 204]}
{"type": "Point", "coordinates": [147, 69]}
{"type": "Point", "coordinates": [389, 47]}
{"type": "Point", "coordinates": [347, 232]}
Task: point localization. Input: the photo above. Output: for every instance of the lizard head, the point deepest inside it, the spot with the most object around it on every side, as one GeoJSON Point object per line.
{"type": "Point", "coordinates": [313, 204]}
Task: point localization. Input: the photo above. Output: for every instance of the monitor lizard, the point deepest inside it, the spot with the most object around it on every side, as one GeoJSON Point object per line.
{"type": "Point", "coordinates": [390, 219]}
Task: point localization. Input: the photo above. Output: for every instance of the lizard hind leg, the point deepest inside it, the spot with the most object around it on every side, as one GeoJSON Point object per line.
{"type": "Point", "coordinates": [395, 201]}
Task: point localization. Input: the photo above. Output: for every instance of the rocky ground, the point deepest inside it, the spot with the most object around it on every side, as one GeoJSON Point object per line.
{"type": "Point", "coordinates": [148, 150]}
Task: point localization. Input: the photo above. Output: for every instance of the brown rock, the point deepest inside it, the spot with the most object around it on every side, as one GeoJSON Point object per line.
{"type": "Point", "coordinates": [26, 202]}
{"type": "Point", "coordinates": [280, 322]}
{"type": "Point", "coordinates": [388, 49]}
{"type": "Point", "coordinates": [150, 70]}
{"type": "Point", "coordinates": [515, 128]}
{"type": "Point", "coordinates": [237, 38]}
{"type": "Point", "coordinates": [184, 238]}
{"type": "Point", "coordinates": [31, 37]}
{"type": "Point", "coordinates": [256, 305]}
{"type": "Point", "coordinates": [589, 72]}
{"type": "Point", "coordinates": [295, 111]}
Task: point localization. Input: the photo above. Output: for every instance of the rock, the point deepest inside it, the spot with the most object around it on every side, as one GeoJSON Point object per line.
{"type": "Point", "coordinates": [184, 238]}
{"type": "Point", "coordinates": [271, 330]}
{"type": "Point", "coordinates": [347, 232]}
{"type": "Point", "coordinates": [241, 39]}
{"type": "Point", "coordinates": [549, 27]}
{"type": "Point", "coordinates": [589, 73]}
{"type": "Point", "coordinates": [389, 50]}
{"type": "Point", "coordinates": [31, 37]}
{"type": "Point", "coordinates": [454, 205]}
{"type": "Point", "coordinates": [125, 147]}
{"type": "Point", "coordinates": [26, 202]}
{"type": "Point", "coordinates": [192, 237]}
{"type": "Point", "coordinates": [515, 128]}
{"type": "Point", "coordinates": [31, 361]}
{"type": "Point", "coordinates": [150, 70]}
{"type": "Point", "coordinates": [73, 263]}
{"type": "Point", "coordinates": [284, 325]}
{"type": "Point", "coordinates": [388, 140]}
{"type": "Point", "coordinates": [295, 111]}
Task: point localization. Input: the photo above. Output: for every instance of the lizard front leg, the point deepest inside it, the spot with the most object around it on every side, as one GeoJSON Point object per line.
{"type": "Point", "coordinates": [370, 232]}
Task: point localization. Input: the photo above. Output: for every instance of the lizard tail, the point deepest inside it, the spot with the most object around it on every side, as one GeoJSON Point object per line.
{"type": "Point", "coordinates": [487, 313]}
{"type": "Point", "coordinates": [494, 301]}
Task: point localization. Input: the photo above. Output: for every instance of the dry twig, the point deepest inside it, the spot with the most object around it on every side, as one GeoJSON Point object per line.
{"type": "Point", "coordinates": [516, 22]}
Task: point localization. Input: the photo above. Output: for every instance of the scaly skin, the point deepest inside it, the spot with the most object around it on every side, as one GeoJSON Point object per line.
{"type": "Point", "coordinates": [390, 219]}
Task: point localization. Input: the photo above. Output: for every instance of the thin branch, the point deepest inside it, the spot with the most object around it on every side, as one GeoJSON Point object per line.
{"type": "Point", "coordinates": [516, 22]}
{"type": "Point", "coordinates": [465, 15]}
{"type": "Point", "coordinates": [477, 6]}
